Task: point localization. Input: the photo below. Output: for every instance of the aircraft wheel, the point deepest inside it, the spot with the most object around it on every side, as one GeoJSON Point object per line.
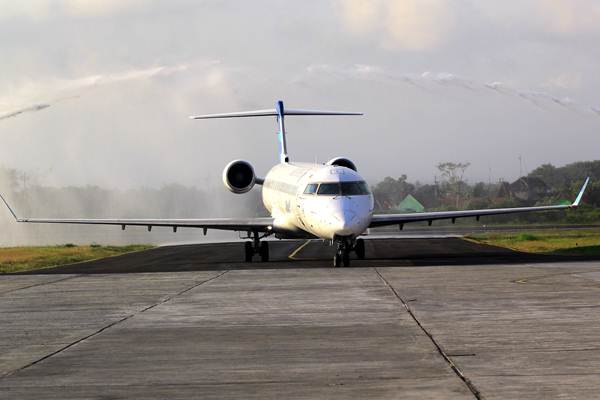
{"type": "Point", "coordinates": [359, 248]}
{"type": "Point", "coordinates": [346, 258]}
{"type": "Point", "coordinates": [248, 251]}
{"type": "Point", "coordinates": [264, 251]}
{"type": "Point", "coordinates": [337, 260]}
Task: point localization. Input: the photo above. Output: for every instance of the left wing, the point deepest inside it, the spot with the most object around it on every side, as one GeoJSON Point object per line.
{"type": "Point", "coordinates": [400, 219]}
{"type": "Point", "coordinates": [227, 224]}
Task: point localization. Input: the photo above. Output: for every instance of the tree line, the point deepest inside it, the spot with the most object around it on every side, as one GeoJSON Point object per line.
{"type": "Point", "coordinates": [547, 184]}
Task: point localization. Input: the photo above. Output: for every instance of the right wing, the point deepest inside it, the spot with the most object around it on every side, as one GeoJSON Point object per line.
{"type": "Point", "coordinates": [227, 224]}
{"type": "Point", "coordinates": [401, 219]}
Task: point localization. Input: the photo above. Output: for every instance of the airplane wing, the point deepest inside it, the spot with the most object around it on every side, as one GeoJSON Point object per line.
{"type": "Point", "coordinates": [227, 224]}
{"type": "Point", "coordinates": [401, 219]}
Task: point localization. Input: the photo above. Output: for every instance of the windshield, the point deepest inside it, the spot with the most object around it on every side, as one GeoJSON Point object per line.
{"type": "Point", "coordinates": [358, 188]}
{"type": "Point", "coordinates": [331, 189]}
{"type": "Point", "coordinates": [354, 188]}
{"type": "Point", "coordinates": [311, 188]}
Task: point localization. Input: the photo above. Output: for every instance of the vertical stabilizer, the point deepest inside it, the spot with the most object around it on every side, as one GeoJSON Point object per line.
{"type": "Point", "coordinates": [283, 155]}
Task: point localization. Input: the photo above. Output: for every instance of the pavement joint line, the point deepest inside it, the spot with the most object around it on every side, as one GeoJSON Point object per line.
{"type": "Point", "coordinates": [439, 348]}
{"type": "Point", "coordinates": [293, 254]}
{"type": "Point", "coordinates": [42, 284]}
{"type": "Point", "coordinates": [166, 299]}
{"type": "Point", "coordinates": [169, 298]}
{"type": "Point", "coordinates": [248, 382]}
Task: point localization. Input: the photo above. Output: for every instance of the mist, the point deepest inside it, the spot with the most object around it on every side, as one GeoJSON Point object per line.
{"type": "Point", "coordinates": [102, 97]}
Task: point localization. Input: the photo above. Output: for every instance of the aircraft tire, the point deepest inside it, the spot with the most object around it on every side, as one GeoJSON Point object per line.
{"type": "Point", "coordinates": [346, 258]}
{"type": "Point", "coordinates": [337, 260]}
{"type": "Point", "coordinates": [248, 251]}
{"type": "Point", "coordinates": [359, 248]}
{"type": "Point", "coordinates": [264, 251]}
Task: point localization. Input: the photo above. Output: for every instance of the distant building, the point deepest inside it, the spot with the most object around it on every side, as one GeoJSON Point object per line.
{"type": "Point", "coordinates": [409, 204]}
{"type": "Point", "coordinates": [528, 189]}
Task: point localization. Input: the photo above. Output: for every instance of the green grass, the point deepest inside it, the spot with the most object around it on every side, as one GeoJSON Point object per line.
{"type": "Point", "coordinates": [561, 242]}
{"type": "Point", "coordinates": [19, 259]}
{"type": "Point", "coordinates": [523, 237]}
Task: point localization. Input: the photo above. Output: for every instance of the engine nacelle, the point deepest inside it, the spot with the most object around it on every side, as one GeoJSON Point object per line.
{"type": "Point", "coordinates": [239, 177]}
{"type": "Point", "coordinates": [342, 162]}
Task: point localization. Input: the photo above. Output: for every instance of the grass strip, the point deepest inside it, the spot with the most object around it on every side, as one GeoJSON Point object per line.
{"type": "Point", "coordinates": [20, 259]}
{"type": "Point", "coordinates": [563, 242]}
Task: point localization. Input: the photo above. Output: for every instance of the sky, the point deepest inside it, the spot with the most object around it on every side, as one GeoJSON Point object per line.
{"type": "Point", "coordinates": [98, 91]}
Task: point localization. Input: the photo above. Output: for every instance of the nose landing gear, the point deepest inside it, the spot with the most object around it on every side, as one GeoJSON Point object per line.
{"type": "Point", "coordinates": [256, 247]}
{"type": "Point", "coordinates": [342, 256]}
{"type": "Point", "coordinates": [344, 247]}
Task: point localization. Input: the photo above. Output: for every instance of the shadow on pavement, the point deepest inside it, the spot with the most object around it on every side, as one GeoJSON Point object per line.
{"type": "Point", "coordinates": [380, 253]}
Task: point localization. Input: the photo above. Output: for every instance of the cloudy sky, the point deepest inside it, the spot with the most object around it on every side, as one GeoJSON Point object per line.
{"type": "Point", "coordinates": [98, 91]}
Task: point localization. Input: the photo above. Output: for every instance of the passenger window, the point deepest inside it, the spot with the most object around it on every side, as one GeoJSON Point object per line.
{"type": "Point", "coordinates": [311, 188]}
{"type": "Point", "coordinates": [330, 189]}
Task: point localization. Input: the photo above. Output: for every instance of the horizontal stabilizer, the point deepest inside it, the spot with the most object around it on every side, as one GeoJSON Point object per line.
{"type": "Point", "coordinates": [280, 112]}
{"type": "Point", "coordinates": [272, 113]}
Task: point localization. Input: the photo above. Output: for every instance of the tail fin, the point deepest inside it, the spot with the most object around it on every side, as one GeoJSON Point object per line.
{"type": "Point", "coordinates": [280, 112]}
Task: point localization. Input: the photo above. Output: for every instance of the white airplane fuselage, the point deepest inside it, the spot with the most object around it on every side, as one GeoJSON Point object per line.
{"type": "Point", "coordinates": [327, 201]}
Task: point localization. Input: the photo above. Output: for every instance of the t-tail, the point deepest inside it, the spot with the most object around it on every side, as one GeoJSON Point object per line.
{"type": "Point", "coordinates": [280, 112]}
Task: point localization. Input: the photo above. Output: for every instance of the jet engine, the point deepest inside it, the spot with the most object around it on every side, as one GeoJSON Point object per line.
{"type": "Point", "coordinates": [238, 176]}
{"type": "Point", "coordinates": [342, 162]}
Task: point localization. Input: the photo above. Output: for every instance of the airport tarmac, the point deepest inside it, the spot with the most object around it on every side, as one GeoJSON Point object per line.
{"type": "Point", "coordinates": [420, 318]}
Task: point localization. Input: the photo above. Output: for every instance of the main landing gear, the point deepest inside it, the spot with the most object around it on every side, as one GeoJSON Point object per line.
{"type": "Point", "coordinates": [256, 247]}
{"type": "Point", "coordinates": [344, 247]}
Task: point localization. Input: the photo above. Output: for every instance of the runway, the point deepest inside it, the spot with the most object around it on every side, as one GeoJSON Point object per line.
{"type": "Point", "coordinates": [420, 318]}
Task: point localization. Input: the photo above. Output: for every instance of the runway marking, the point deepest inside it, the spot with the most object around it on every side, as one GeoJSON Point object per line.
{"type": "Point", "coordinates": [439, 348]}
{"type": "Point", "coordinates": [294, 253]}
{"type": "Point", "coordinates": [539, 277]}
{"type": "Point", "coordinates": [110, 325]}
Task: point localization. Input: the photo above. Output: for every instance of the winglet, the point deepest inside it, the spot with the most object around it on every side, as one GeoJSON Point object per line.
{"type": "Point", "coordinates": [9, 208]}
{"type": "Point", "coordinates": [580, 195]}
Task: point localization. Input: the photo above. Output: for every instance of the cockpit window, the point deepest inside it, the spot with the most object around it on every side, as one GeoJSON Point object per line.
{"type": "Point", "coordinates": [331, 189]}
{"type": "Point", "coordinates": [358, 188]}
{"type": "Point", "coordinates": [311, 188]}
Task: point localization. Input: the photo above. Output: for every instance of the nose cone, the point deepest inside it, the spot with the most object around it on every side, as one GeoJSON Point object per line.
{"type": "Point", "coordinates": [349, 217]}
{"type": "Point", "coordinates": [343, 225]}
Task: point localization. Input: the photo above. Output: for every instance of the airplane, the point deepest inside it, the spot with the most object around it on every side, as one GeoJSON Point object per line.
{"type": "Point", "coordinates": [329, 201]}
